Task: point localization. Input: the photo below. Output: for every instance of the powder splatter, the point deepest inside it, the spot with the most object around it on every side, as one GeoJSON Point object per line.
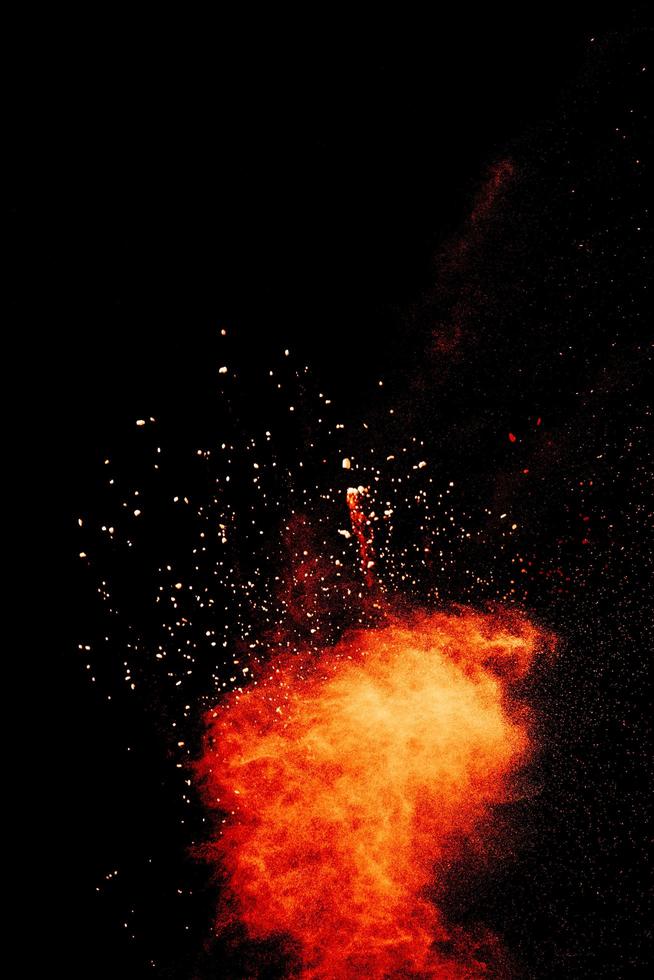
{"type": "Point", "coordinates": [345, 778]}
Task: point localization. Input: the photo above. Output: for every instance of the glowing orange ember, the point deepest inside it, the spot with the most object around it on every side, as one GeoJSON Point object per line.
{"type": "Point", "coordinates": [346, 777]}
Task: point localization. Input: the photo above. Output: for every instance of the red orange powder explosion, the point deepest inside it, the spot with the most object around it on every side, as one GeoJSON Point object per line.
{"type": "Point", "coordinates": [346, 777]}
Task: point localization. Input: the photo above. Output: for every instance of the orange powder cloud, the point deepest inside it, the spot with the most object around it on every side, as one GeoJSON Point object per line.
{"type": "Point", "coordinates": [345, 778]}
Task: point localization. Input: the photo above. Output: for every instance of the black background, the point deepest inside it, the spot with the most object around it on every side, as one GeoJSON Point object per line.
{"type": "Point", "coordinates": [293, 181]}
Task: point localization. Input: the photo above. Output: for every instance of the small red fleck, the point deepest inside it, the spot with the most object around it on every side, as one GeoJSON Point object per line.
{"type": "Point", "coordinates": [538, 420]}
{"type": "Point", "coordinates": [525, 471]}
{"type": "Point", "coordinates": [512, 438]}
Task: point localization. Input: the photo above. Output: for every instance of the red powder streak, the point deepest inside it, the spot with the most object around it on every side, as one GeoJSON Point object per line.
{"type": "Point", "coordinates": [459, 302]}
{"type": "Point", "coordinates": [346, 777]}
{"type": "Point", "coordinates": [362, 530]}
{"type": "Point", "coordinates": [499, 177]}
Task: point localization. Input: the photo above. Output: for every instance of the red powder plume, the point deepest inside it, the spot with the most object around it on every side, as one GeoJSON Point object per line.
{"type": "Point", "coordinates": [344, 779]}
